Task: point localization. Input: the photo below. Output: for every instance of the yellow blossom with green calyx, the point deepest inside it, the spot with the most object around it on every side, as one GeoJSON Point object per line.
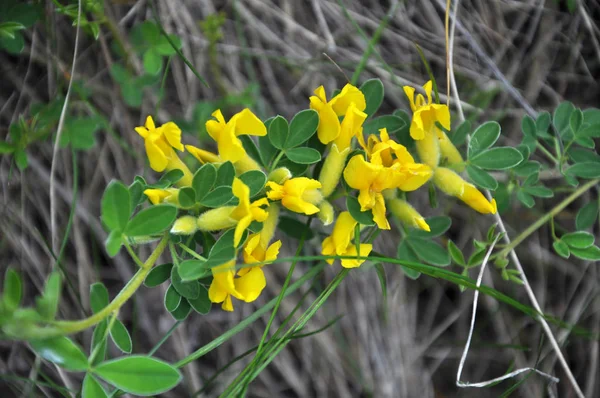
{"type": "Point", "coordinates": [407, 214]}
{"type": "Point", "coordinates": [423, 127]}
{"type": "Point", "coordinates": [388, 153]}
{"type": "Point", "coordinates": [185, 225]}
{"type": "Point", "coordinates": [160, 143]}
{"type": "Point", "coordinates": [341, 242]}
{"type": "Point", "coordinates": [330, 111]}
{"type": "Point", "coordinates": [300, 194]}
{"type": "Point", "coordinates": [453, 184]}
{"type": "Point", "coordinates": [240, 216]}
{"type": "Point", "coordinates": [158, 196]}
{"type": "Point", "coordinates": [225, 285]}
{"type": "Point", "coordinates": [226, 134]}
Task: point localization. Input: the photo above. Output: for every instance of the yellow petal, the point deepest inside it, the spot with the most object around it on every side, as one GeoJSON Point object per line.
{"type": "Point", "coordinates": [428, 87]}
{"type": "Point", "coordinates": [276, 191]}
{"type": "Point", "coordinates": [230, 147]}
{"type": "Point", "coordinates": [477, 200]}
{"type": "Point", "coordinates": [320, 93]}
{"type": "Point", "coordinates": [441, 114]}
{"type": "Point", "coordinates": [143, 131]}
{"type": "Point", "coordinates": [349, 95]}
{"type": "Point", "coordinates": [158, 160]}
{"type": "Point", "coordinates": [360, 174]}
{"type": "Point", "coordinates": [173, 135]}
{"type": "Point", "coordinates": [298, 205]}
{"type": "Point", "coordinates": [365, 250]}
{"type": "Point", "coordinates": [227, 304]}
{"type": "Point", "coordinates": [202, 155]}
{"type": "Point", "coordinates": [328, 249]}
{"type": "Point", "coordinates": [343, 231]}
{"type": "Point", "coordinates": [379, 212]}
{"type": "Point", "coordinates": [415, 176]}
{"type": "Point", "coordinates": [251, 284]}
{"type": "Point", "coordinates": [247, 123]}
{"type": "Point", "coordinates": [329, 124]}
{"type": "Point", "coordinates": [410, 94]}
{"type": "Point", "coordinates": [273, 251]}
{"type": "Point", "coordinates": [215, 127]}
{"type": "Point", "coordinates": [149, 123]}
{"type": "Point", "coordinates": [157, 196]}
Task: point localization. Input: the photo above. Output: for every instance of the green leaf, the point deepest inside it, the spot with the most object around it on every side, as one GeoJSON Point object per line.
{"type": "Point", "coordinates": [429, 251]}
{"type": "Point", "coordinates": [113, 242]}
{"type": "Point", "coordinates": [152, 62]}
{"type": "Point", "coordinates": [47, 305]}
{"type": "Point", "coordinates": [172, 299]}
{"type": "Point", "coordinates": [561, 248]}
{"type": "Point", "coordinates": [525, 198]}
{"type": "Point", "coordinates": [158, 275]}
{"type": "Point", "coordinates": [136, 194]}
{"type": "Point", "coordinates": [217, 197]}
{"type": "Point", "coordinates": [542, 124]}
{"type": "Point", "coordinates": [79, 132]}
{"type": "Point", "coordinates": [481, 178]}
{"type": "Point", "coordinates": [99, 343]}
{"type": "Point", "coordinates": [456, 254]}
{"type": "Point", "coordinates": [152, 221]}
{"type": "Point", "coordinates": [403, 134]}
{"type": "Point", "coordinates": [251, 148]}
{"type": "Point", "coordinates": [202, 303]}
{"type": "Point", "coordinates": [169, 178]}
{"type": "Point", "coordinates": [120, 336]}
{"type": "Point", "coordinates": [528, 127]}
{"type": "Point", "coordinates": [539, 190]}
{"type": "Point", "coordinates": [204, 180]}
{"type": "Point", "coordinates": [278, 132]}
{"type": "Point", "coordinates": [373, 92]}
{"type": "Point", "coordinates": [591, 253]}
{"type": "Point", "coordinates": [191, 270]}
{"type": "Point", "coordinates": [363, 217]}
{"type": "Point", "coordinates": [501, 158]}
{"type": "Point", "coordinates": [225, 175]}
{"type": "Point", "coordinates": [139, 375]}
{"type": "Point", "coordinates": [390, 122]}
{"type": "Point", "coordinates": [183, 310]}
{"type": "Point", "coordinates": [584, 170]}
{"type": "Point", "coordinates": [21, 159]}
{"type": "Point", "coordinates": [6, 148]}
{"type": "Point", "coordinates": [13, 290]}
{"type": "Point", "coordinates": [460, 135]}
{"type": "Point", "coordinates": [578, 239]}
{"type": "Point", "coordinates": [116, 206]}
{"type": "Point", "coordinates": [526, 169]}
{"type": "Point", "coordinates": [483, 138]}
{"type": "Point", "coordinates": [13, 46]}
{"type": "Point", "coordinates": [189, 289]}
{"type": "Point", "coordinates": [61, 351]}
{"type": "Point", "coordinates": [98, 297]}
{"type": "Point", "coordinates": [437, 225]}
{"type": "Point", "coordinates": [587, 215]}
{"type": "Point", "coordinates": [406, 253]}
{"type": "Point", "coordinates": [580, 155]}
{"type": "Point", "coordinates": [562, 116]}
{"type": "Point", "coordinates": [163, 47]}
{"type": "Point", "coordinates": [302, 127]}
{"type": "Point", "coordinates": [222, 251]}
{"type": "Point", "coordinates": [91, 388]}
{"type": "Point", "coordinates": [267, 150]}
{"type": "Point", "coordinates": [294, 228]}
{"type": "Point", "coordinates": [576, 121]}
{"type": "Point", "coordinates": [187, 197]}
{"type": "Point", "coordinates": [255, 180]}
{"type": "Point", "coordinates": [303, 155]}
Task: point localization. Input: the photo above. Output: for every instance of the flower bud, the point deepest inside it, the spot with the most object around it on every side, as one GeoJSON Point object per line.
{"type": "Point", "coordinates": [280, 175]}
{"type": "Point", "coordinates": [326, 213]}
{"type": "Point", "coordinates": [407, 214]}
{"type": "Point", "coordinates": [332, 170]}
{"type": "Point", "coordinates": [185, 225]}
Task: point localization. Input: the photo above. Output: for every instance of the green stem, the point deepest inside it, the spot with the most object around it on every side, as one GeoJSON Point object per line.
{"type": "Point", "coordinates": [276, 161]}
{"type": "Point", "coordinates": [246, 322]}
{"type": "Point", "coordinates": [132, 253]}
{"type": "Point", "coordinates": [544, 219]}
{"type": "Point", "coordinates": [130, 288]}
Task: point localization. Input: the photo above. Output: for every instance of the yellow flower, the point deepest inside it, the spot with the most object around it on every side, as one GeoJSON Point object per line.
{"type": "Point", "coordinates": [202, 155]}
{"type": "Point", "coordinates": [157, 196]}
{"type": "Point", "coordinates": [341, 242]}
{"type": "Point", "coordinates": [246, 212]}
{"type": "Point", "coordinates": [329, 124]}
{"type": "Point", "coordinates": [300, 194]}
{"type": "Point", "coordinates": [159, 143]}
{"type": "Point", "coordinates": [256, 251]}
{"type": "Point", "coordinates": [387, 152]}
{"type": "Point", "coordinates": [240, 216]}
{"type": "Point", "coordinates": [452, 184]}
{"type": "Point", "coordinates": [226, 134]}
{"type": "Point", "coordinates": [422, 128]}
{"type": "Point", "coordinates": [407, 214]}
{"type": "Point", "coordinates": [225, 286]}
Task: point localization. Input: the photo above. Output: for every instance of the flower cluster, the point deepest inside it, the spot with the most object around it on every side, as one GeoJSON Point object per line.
{"type": "Point", "coordinates": [375, 166]}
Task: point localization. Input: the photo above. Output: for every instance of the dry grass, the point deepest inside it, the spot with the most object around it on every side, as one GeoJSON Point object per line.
{"type": "Point", "coordinates": [413, 348]}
